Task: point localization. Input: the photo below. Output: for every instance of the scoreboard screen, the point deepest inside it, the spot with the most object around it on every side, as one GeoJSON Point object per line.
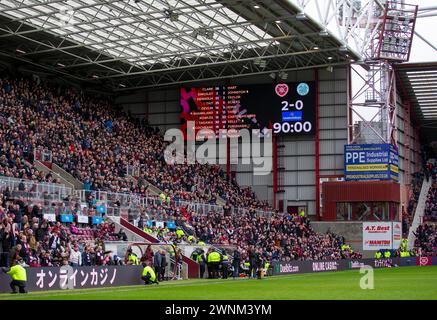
{"type": "Point", "coordinates": [286, 108]}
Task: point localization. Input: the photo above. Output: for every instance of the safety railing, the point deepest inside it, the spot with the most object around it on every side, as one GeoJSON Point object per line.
{"type": "Point", "coordinates": [243, 211]}
{"type": "Point", "coordinates": [29, 189]}
{"type": "Point", "coordinates": [134, 204]}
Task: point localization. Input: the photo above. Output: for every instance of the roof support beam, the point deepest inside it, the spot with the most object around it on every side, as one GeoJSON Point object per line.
{"type": "Point", "coordinates": [225, 62]}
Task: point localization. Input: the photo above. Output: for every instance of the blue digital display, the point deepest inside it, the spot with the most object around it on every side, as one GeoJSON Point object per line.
{"type": "Point", "coordinates": [66, 218]}
{"type": "Point", "coordinates": [97, 220]}
{"type": "Point", "coordinates": [171, 225]}
{"type": "Point", "coordinates": [292, 116]}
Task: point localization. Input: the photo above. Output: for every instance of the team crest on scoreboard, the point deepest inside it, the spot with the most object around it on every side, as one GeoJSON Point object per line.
{"type": "Point", "coordinates": [282, 89]}
{"type": "Point", "coordinates": [303, 89]}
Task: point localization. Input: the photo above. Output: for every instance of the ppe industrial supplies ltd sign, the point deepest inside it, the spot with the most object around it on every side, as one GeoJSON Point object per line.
{"type": "Point", "coordinates": [381, 235]}
{"type": "Point", "coordinates": [371, 162]}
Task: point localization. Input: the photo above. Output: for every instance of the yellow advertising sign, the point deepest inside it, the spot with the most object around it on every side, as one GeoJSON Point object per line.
{"type": "Point", "coordinates": [394, 168]}
{"type": "Point", "coordinates": [367, 167]}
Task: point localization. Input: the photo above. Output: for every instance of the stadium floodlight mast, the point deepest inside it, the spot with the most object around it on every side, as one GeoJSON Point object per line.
{"type": "Point", "coordinates": [381, 32]}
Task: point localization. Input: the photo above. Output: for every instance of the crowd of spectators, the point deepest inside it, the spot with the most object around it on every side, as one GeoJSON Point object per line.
{"type": "Point", "coordinates": [277, 237]}
{"type": "Point", "coordinates": [426, 234]}
{"type": "Point", "coordinates": [96, 144]}
{"type": "Point", "coordinates": [431, 205]}
{"type": "Point", "coordinates": [25, 234]}
{"type": "Point", "coordinates": [426, 240]}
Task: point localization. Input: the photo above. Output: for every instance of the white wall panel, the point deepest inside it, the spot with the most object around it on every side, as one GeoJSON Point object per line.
{"type": "Point", "coordinates": [306, 163]}
{"type": "Point", "coordinates": [307, 193]}
{"type": "Point", "coordinates": [306, 178]}
{"type": "Point", "coordinates": [290, 178]}
{"type": "Point", "coordinates": [332, 111]}
{"type": "Point", "coordinates": [290, 163]}
{"type": "Point", "coordinates": [261, 191]}
{"type": "Point", "coordinates": [262, 180]}
{"type": "Point", "coordinates": [244, 179]}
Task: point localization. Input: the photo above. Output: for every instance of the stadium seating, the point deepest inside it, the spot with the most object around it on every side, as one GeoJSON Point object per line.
{"type": "Point", "coordinates": [431, 205]}
{"type": "Point", "coordinates": [74, 129]}
{"type": "Point", "coordinates": [426, 240]}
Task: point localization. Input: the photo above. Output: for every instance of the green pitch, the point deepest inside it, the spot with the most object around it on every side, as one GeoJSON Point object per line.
{"type": "Point", "coordinates": [393, 284]}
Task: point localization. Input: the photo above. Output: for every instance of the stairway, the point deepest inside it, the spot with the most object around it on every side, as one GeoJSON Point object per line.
{"type": "Point", "coordinates": [66, 176]}
{"type": "Point", "coordinates": [46, 169]}
{"type": "Point", "coordinates": [136, 234]}
{"type": "Point", "coordinates": [419, 212]}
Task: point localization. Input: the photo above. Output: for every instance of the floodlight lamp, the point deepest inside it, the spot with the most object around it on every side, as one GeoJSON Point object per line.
{"type": "Point", "coordinates": [301, 16]}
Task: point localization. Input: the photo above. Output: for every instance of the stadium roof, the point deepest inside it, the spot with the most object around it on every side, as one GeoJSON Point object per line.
{"type": "Point", "coordinates": [126, 44]}
{"type": "Point", "coordinates": [418, 82]}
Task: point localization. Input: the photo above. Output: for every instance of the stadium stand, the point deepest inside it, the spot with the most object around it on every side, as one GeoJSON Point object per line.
{"type": "Point", "coordinates": [431, 205]}
{"type": "Point", "coordinates": [96, 143]}
{"type": "Point", "coordinates": [279, 237]}
{"type": "Point", "coordinates": [426, 240]}
{"type": "Point", "coordinates": [26, 233]}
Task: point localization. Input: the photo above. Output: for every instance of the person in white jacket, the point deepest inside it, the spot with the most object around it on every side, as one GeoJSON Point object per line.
{"type": "Point", "coordinates": [75, 257]}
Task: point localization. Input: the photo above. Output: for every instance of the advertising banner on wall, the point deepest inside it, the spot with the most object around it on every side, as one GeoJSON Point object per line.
{"type": "Point", "coordinates": [371, 162]}
{"type": "Point", "coordinates": [397, 234]}
{"type": "Point", "coordinates": [295, 267]}
{"type": "Point", "coordinates": [82, 219]}
{"type": "Point", "coordinates": [68, 278]}
{"type": "Point", "coordinates": [424, 261]}
{"type": "Point", "coordinates": [377, 235]}
{"type": "Point", "coordinates": [374, 263]}
{"type": "Point", "coordinates": [290, 267]}
{"type": "Point", "coordinates": [50, 217]}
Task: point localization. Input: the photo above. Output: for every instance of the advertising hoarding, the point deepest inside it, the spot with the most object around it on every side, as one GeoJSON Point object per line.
{"type": "Point", "coordinates": [397, 234]}
{"type": "Point", "coordinates": [371, 162]}
{"type": "Point", "coordinates": [68, 278]}
{"type": "Point", "coordinates": [382, 235]}
{"type": "Point", "coordinates": [82, 219]}
{"type": "Point", "coordinates": [296, 267]}
{"type": "Point", "coordinates": [377, 235]}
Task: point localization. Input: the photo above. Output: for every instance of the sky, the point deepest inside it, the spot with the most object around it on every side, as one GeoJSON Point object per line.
{"type": "Point", "coordinates": [427, 28]}
{"type": "Point", "coordinates": [420, 52]}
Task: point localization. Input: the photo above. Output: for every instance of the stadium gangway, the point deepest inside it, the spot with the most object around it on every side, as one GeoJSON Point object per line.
{"type": "Point", "coordinates": [35, 190]}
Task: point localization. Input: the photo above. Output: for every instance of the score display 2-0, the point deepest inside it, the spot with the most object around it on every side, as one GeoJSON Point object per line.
{"type": "Point", "coordinates": [294, 108]}
{"type": "Point", "coordinates": [294, 122]}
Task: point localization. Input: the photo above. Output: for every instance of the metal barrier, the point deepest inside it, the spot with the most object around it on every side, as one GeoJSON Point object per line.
{"type": "Point", "coordinates": [35, 190]}
{"type": "Point", "coordinates": [134, 203]}
{"type": "Point", "coordinates": [259, 213]}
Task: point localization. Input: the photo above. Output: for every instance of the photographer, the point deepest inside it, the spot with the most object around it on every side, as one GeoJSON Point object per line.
{"type": "Point", "coordinates": [18, 275]}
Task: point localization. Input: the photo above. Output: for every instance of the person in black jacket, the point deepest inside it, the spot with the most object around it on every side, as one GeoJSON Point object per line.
{"type": "Point", "coordinates": [87, 258]}
{"type": "Point", "coordinates": [2, 238]}
{"type": "Point", "coordinates": [157, 262]}
{"type": "Point", "coordinates": [253, 264]}
{"type": "Point", "coordinates": [163, 266]}
{"type": "Point", "coordinates": [236, 263]}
